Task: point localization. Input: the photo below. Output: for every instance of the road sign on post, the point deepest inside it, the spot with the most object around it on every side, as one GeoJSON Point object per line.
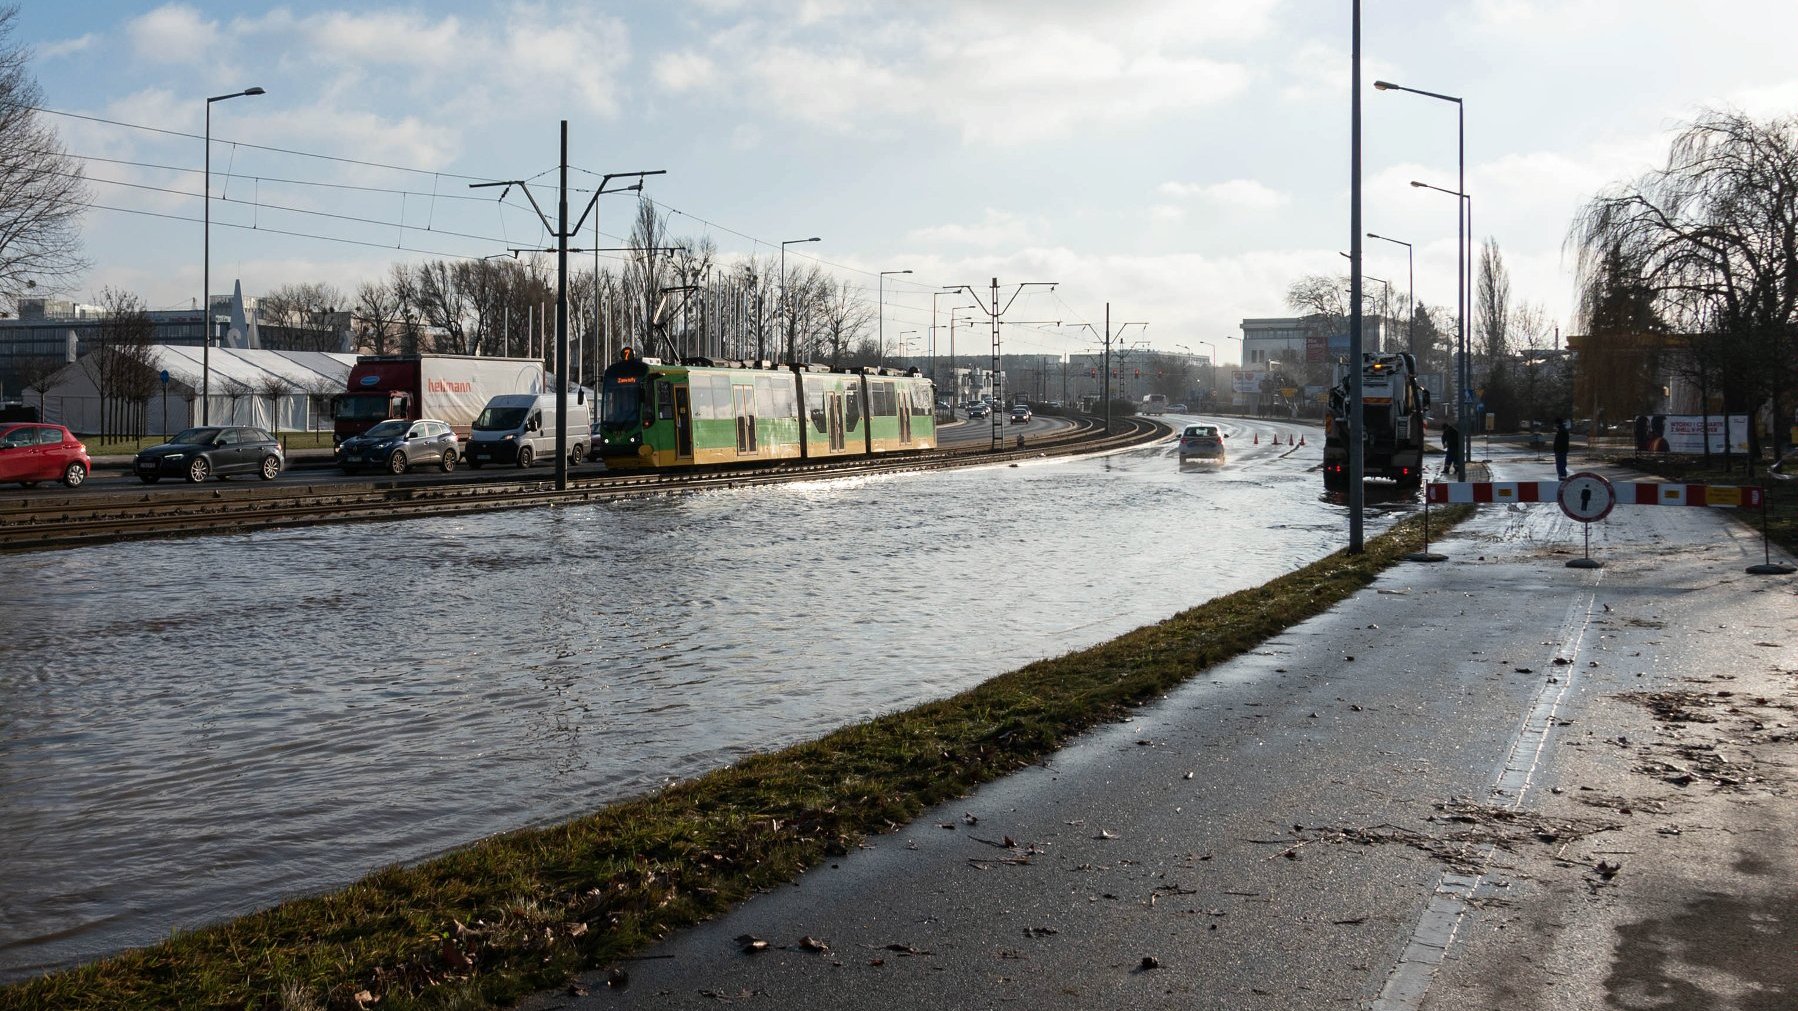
{"type": "Point", "coordinates": [1587, 498]}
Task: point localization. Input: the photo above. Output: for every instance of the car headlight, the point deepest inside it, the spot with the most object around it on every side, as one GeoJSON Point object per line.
{"type": "Point", "coordinates": [509, 438]}
{"type": "Point", "coordinates": [175, 456]}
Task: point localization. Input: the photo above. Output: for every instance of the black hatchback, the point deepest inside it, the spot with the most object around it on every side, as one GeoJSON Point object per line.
{"type": "Point", "coordinates": [200, 453]}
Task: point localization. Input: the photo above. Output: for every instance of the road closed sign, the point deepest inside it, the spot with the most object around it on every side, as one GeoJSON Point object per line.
{"type": "Point", "coordinates": [1586, 497]}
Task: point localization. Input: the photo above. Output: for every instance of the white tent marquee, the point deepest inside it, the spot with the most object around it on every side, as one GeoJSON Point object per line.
{"type": "Point", "coordinates": [286, 391]}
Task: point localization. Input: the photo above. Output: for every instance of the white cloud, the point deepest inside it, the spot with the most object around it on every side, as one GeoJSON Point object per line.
{"type": "Point", "coordinates": [1778, 99]}
{"type": "Point", "coordinates": [996, 229]}
{"type": "Point", "coordinates": [1244, 194]}
{"type": "Point", "coordinates": [685, 71]}
{"type": "Point", "coordinates": [52, 50]}
{"type": "Point", "coordinates": [175, 33]}
{"type": "Point", "coordinates": [1045, 77]}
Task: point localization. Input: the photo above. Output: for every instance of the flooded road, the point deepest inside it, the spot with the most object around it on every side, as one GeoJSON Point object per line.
{"type": "Point", "coordinates": [192, 729]}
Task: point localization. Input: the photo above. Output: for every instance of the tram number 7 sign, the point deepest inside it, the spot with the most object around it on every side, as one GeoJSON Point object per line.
{"type": "Point", "coordinates": [1586, 497]}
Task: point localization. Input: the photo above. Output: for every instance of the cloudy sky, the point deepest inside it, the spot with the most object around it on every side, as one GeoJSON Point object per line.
{"type": "Point", "coordinates": [1184, 160]}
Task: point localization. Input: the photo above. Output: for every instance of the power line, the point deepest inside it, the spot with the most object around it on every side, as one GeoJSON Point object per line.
{"type": "Point", "coordinates": [289, 232]}
{"type": "Point", "coordinates": [259, 205]}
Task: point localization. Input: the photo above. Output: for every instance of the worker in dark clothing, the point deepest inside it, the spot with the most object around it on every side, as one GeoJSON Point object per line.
{"type": "Point", "coordinates": [1563, 436]}
{"type": "Point", "coordinates": [1451, 448]}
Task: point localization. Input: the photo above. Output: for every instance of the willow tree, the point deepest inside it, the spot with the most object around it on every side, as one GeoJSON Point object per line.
{"type": "Point", "coordinates": [1710, 244]}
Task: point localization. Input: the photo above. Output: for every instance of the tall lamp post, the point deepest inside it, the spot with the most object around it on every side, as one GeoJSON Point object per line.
{"type": "Point", "coordinates": [786, 309]}
{"type": "Point", "coordinates": [881, 327]}
{"type": "Point", "coordinates": [206, 263]}
{"type": "Point", "coordinates": [1211, 370]}
{"type": "Point", "coordinates": [1410, 292]}
{"type": "Point", "coordinates": [1464, 377]}
{"type": "Point", "coordinates": [1462, 228]}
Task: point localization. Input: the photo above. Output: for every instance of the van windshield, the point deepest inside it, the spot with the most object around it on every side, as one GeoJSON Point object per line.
{"type": "Point", "coordinates": [500, 419]}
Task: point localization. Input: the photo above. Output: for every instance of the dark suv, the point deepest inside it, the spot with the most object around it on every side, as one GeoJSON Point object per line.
{"type": "Point", "coordinates": [398, 444]}
{"type": "Point", "coordinates": [200, 453]}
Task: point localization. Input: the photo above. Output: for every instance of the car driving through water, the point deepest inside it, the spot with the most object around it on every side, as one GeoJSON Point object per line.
{"type": "Point", "coordinates": [1202, 442]}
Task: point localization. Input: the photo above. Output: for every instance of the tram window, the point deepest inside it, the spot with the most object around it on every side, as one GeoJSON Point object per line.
{"type": "Point", "coordinates": [884, 405]}
{"type": "Point", "coordinates": [700, 396]}
{"type": "Point", "coordinates": [665, 400]}
{"type": "Point", "coordinates": [814, 405]}
{"type": "Point", "coordinates": [620, 406]}
{"type": "Point", "coordinates": [852, 407]}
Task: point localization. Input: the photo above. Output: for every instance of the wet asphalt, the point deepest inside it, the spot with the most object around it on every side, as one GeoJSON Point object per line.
{"type": "Point", "coordinates": [1242, 842]}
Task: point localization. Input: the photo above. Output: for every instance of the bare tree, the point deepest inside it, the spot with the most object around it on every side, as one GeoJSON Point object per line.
{"type": "Point", "coordinates": [375, 316]}
{"type": "Point", "coordinates": [321, 394]}
{"type": "Point", "coordinates": [1492, 305]}
{"type": "Point", "coordinates": [42, 190]}
{"type": "Point", "coordinates": [1712, 238]}
{"type": "Point", "coordinates": [274, 386]}
{"type": "Point", "coordinates": [844, 318]}
{"type": "Point", "coordinates": [121, 363]}
{"type": "Point", "coordinates": [300, 316]}
{"type": "Point", "coordinates": [38, 374]}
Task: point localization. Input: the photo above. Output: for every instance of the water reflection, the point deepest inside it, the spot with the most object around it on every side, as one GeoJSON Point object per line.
{"type": "Point", "coordinates": [192, 729]}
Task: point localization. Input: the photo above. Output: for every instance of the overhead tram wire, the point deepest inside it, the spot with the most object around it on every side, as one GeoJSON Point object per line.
{"type": "Point", "coordinates": [258, 147]}
{"type": "Point", "coordinates": [275, 179]}
{"type": "Point", "coordinates": [282, 207]}
{"type": "Point", "coordinates": [281, 231]}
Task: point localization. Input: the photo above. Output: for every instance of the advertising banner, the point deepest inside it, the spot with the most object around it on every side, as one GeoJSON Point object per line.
{"type": "Point", "coordinates": [1687, 433]}
{"type": "Point", "coordinates": [1246, 380]}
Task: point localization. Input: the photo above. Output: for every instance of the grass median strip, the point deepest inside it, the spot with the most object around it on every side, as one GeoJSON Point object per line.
{"type": "Point", "coordinates": [525, 911]}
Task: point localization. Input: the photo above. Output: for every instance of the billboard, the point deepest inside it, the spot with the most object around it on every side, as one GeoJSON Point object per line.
{"type": "Point", "coordinates": [1246, 380]}
{"type": "Point", "coordinates": [1688, 433]}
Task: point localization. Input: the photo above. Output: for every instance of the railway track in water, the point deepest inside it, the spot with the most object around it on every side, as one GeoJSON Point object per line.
{"type": "Point", "coordinates": [32, 523]}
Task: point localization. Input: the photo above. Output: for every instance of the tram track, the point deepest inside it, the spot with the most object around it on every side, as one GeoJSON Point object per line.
{"type": "Point", "coordinates": [33, 523]}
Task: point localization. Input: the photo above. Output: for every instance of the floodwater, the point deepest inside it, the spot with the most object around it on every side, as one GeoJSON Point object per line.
{"type": "Point", "coordinates": [194, 729]}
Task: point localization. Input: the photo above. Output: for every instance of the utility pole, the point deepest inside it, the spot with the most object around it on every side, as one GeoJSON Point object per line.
{"type": "Point", "coordinates": [993, 311]}
{"type": "Point", "coordinates": [562, 233]}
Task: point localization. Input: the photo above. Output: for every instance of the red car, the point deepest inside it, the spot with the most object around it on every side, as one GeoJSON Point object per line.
{"type": "Point", "coordinates": [31, 452]}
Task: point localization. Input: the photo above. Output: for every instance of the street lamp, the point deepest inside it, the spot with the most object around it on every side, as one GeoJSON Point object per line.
{"type": "Point", "coordinates": [881, 327]}
{"type": "Point", "coordinates": [1463, 228]}
{"type": "Point", "coordinates": [206, 263]}
{"type": "Point", "coordinates": [1410, 289]}
{"type": "Point", "coordinates": [1464, 377]}
{"type": "Point", "coordinates": [785, 308]}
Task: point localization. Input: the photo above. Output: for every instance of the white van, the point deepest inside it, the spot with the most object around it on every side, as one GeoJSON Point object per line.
{"type": "Point", "coordinates": [520, 428]}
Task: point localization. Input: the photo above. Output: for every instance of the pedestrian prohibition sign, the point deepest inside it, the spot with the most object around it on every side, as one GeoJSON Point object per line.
{"type": "Point", "coordinates": [1586, 497]}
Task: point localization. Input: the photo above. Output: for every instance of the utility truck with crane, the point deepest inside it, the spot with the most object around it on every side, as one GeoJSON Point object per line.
{"type": "Point", "coordinates": [1393, 407]}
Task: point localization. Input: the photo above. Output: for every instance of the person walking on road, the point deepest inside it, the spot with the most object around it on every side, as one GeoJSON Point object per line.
{"type": "Point", "coordinates": [1451, 448]}
{"type": "Point", "coordinates": [1563, 436]}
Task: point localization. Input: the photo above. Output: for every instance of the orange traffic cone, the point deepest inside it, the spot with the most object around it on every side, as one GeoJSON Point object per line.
{"type": "Point", "coordinates": [1257, 441]}
{"type": "Point", "coordinates": [1301, 438]}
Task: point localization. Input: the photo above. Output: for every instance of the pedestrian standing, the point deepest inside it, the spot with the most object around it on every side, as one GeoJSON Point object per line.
{"type": "Point", "coordinates": [1563, 436]}
{"type": "Point", "coordinates": [1451, 448]}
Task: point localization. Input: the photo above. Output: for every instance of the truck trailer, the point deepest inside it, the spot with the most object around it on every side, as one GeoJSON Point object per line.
{"type": "Point", "coordinates": [1393, 406]}
{"type": "Point", "coordinates": [449, 388]}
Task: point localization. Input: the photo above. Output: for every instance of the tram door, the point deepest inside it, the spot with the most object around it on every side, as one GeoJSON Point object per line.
{"type": "Point", "coordinates": [743, 406]}
{"type": "Point", "coordinates": [904, 406]}
{"type": "Point", "coordinates": [834, 420]}
{"type": "Point", "coordinates": [683, 422]}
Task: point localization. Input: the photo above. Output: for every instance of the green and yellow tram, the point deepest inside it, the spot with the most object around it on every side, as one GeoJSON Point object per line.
{"type": "Point", "coordinates": [699, 412]}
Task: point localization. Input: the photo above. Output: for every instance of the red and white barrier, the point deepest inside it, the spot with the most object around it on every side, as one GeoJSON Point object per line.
{"type": "Point", "coordinates": [1628, 493]}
